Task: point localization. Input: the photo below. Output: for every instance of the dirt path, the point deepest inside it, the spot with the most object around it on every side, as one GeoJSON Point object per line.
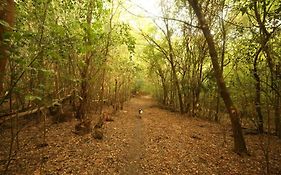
{"type": "Point", "coordinates": [136, 140]}
{"type": "Point", "coordinates": [161, 142]}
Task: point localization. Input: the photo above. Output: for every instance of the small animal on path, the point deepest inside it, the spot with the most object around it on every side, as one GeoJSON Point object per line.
{"type": "Point", "coordinates": [140, 113]}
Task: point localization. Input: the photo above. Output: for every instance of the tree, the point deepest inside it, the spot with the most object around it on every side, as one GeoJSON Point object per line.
{"type": "Point", "coordinates": [262, 18]}
{"type": "Point", "coordinates": [7, 18]}
{"type": "Point", "coordinates": [239, 142]}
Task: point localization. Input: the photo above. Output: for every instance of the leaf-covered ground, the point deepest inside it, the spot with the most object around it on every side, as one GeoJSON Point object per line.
{"type": "Point", "coordinates": [161, 142]}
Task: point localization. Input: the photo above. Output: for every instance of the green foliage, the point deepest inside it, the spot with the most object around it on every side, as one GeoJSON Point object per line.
{"type": "Point", "coordinates": [53, 40]}
{"type": "Point", "coordinates": [238, 37]}
{"type": "Point", "coordinates": [54, 43]}
{"type": "Point", "coordinates": [124, 36]}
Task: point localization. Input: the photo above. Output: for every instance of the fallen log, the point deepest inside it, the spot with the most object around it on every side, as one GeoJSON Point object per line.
{"type": "Point", "coordinates": [10, 116]}
{"type": "Point", "coordinates": [21, 114]}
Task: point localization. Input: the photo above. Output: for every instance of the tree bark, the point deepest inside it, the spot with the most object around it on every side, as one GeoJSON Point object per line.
{"type": "Point", "coordinates": [7, 14]}
{"type": "Point", "coordinates": [222, 64]}
{"type": "Point", "coordinates": [81, 113]}
{"type": "Point", "coordinates": [164, 87]}
{"type": "Point", "coordinates": [277, 116]}
{"type": "Point", "coordinates": [265, 36]}
{"type": "Point", "coordinates": [258, 93]}
{"type": "Point", "coordinates": [172, 62]}
{"type": "Point", "coordinates": [277, 105]}
{"type": "Point", "coordinates": [177, 84]}
{"type": "Point", "coordinates": [115, 107]}
{"type": "Point", "coordinates": [239, 142]}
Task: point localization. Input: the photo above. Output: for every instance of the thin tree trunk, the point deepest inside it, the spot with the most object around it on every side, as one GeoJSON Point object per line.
{"type": "Point", "coordinates": [277, 106]}
{"type": "Point", "coordinates": [175, 77]}
{"type": "Point", "coordinates": [277, 117]}
{"type": "Point", "coordinates": [7, 14]}
{"type": "Point", "coordinates": [81, 113]}
{"type": "Point", "coordinates": [193, 87]}
{"type": "Point", "coordinates": [101, 96]}
{"type": "Point", "coordinates": [239, 142]}
{"type": "Point", "coordinates": [222, 64]}
{"type": "Point", "coordinates": [164, 87]}
{"type": "Point", "coordinates": [177, 84]}
{"type": "Point", "coordinates": [265, 37]}
{"type": "Point", "coordinates": [115, 95]}
{"type": "Point", "coordinates": [199, 79]}
{"type": "Point", "coordinates": [258, 93]}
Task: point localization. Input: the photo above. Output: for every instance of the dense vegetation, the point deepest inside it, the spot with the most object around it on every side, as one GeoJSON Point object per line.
{"type": "Point", "coordinates": [201, 58]}
{"type": "Point", "coordinates": [58, 47]}
{"type": "Point", "coordinates": [239, 41]}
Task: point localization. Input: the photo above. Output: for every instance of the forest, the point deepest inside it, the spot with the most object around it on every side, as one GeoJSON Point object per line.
{"type": "Point", "coordinates": [140, 87]}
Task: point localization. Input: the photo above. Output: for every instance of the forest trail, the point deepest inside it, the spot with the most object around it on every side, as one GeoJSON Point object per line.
{"type": "Point", "coordinates": [62, 59]}
{"type": "Point", "coordinates": [161, 142]}
{"type": "Point", "coordinates": [134, 125]}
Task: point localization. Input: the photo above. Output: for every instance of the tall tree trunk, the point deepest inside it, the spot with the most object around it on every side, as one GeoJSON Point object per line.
{"type": "Point", "coordinates": [7, 14]}
{"type": "Point", "coordinates": [265, 36]}
{"type": "Point", "coordinates": [277, 105]}
{"type": "Point", "coordinates": [164, 87]}
{"type": "Point", "coordinates": [193, 87]}
{"type": "Point", "coordinates": [177, 84]}
{"type": "Point", "coordinates": [275, 85]}
{"type": "Point", "coordinates": [84, 93]}
{"type": "Point", "coordinates": [199, 79]}
{"type": "Point", "coordinates": [172, 62]}
{"type": "Point", "coordinates": [277, 116]}
{"type": "Point", "coordinates": [101, 94]}
{"type": "Point", "coordinates": [222, 64]}
{"type": "Point", "coordinates": [239, 142]}
{"type": "Point", "coordinates": [197, 89]}
{"type": "Point", "coordinates": [258, 93]}
{"type": "Point", "coordinates": [115, 104]}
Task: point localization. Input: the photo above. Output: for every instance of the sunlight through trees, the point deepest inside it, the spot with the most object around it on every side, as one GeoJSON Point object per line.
{"type": "Point", "coordinates": [205, 59]}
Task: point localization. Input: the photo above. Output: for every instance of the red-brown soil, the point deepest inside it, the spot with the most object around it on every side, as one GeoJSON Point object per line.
{"type": "Point", "coordinates": [160, 142]}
